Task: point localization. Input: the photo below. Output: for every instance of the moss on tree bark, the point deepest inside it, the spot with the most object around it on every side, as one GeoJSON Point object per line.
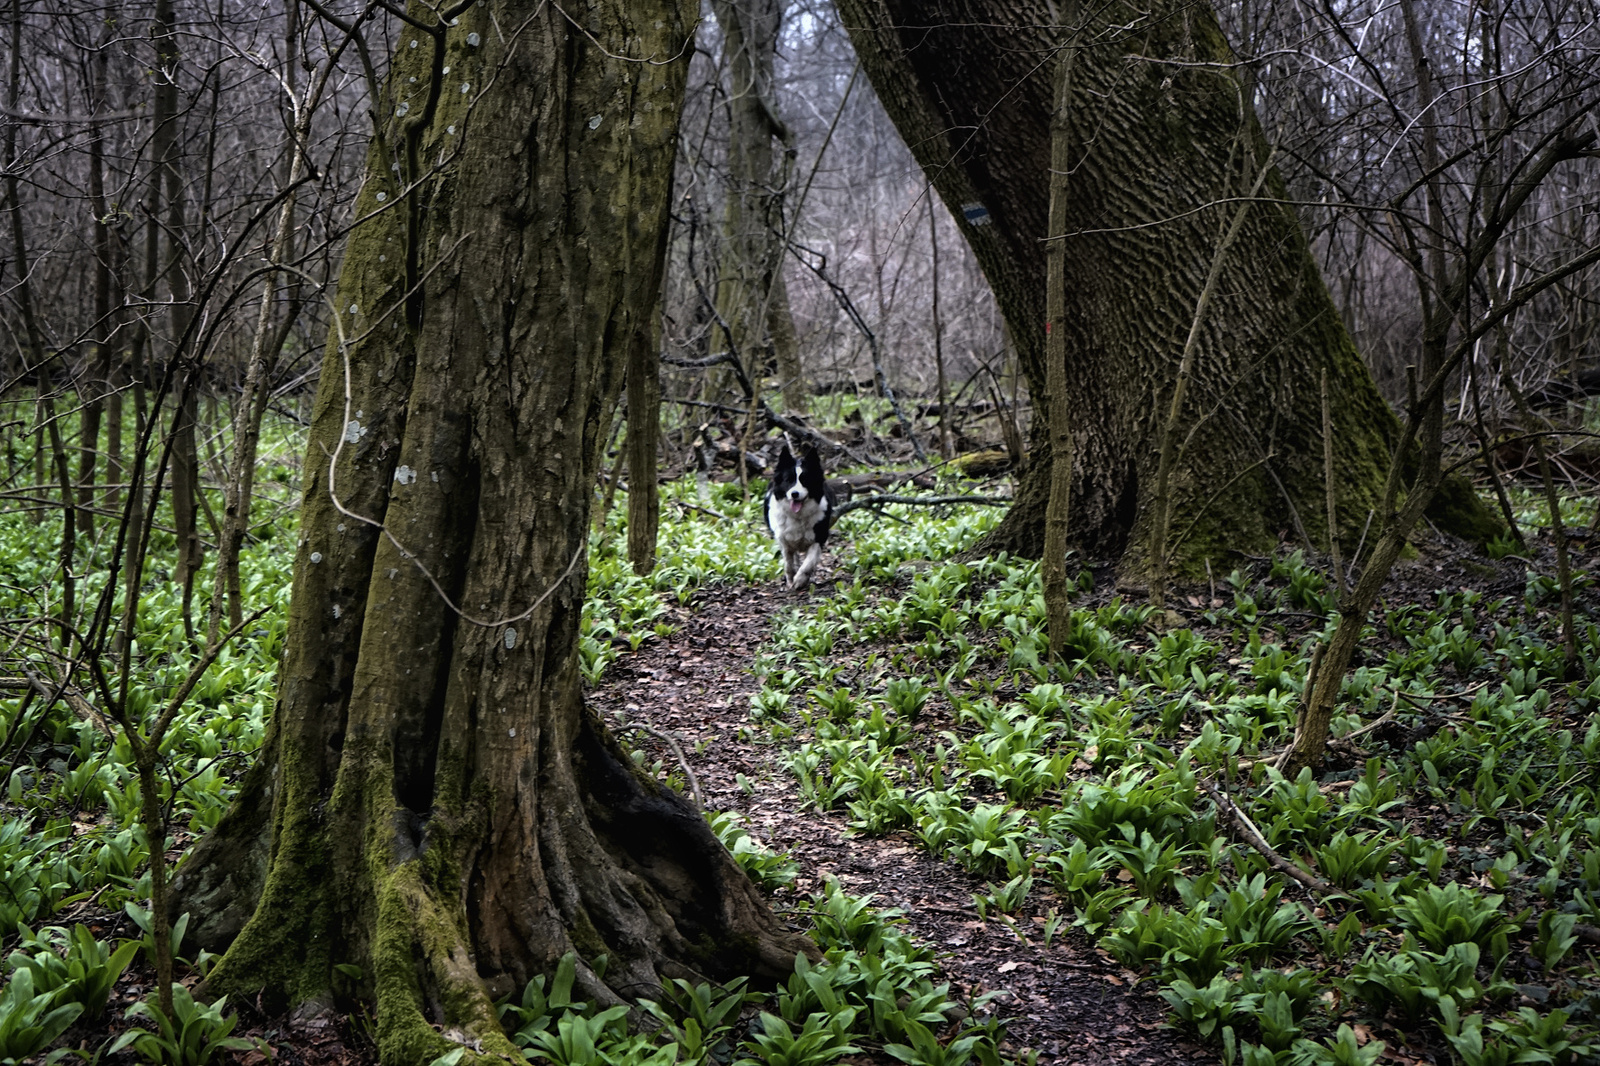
{"type": "Point", "coordinates": [1157, 133]}
{"type": "Point", "coordinates": [434, 804]}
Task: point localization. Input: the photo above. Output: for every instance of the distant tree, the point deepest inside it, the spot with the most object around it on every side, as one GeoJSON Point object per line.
{"type": "Point", "coordinates": [434, 804]}
{"type": "Point", "coordinates": [752, 299]}
{"type": "Point", "coordinates": [1164, 146]}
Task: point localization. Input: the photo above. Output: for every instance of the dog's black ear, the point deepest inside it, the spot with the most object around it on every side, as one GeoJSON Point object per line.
{"type": "Point", "coordinates": [811, 455]}
{"type": "Point", "coordinates": [784, 458]}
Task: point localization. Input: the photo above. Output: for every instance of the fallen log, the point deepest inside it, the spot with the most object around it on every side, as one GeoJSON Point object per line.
{"type": "Point", "coordinates": [920, 501]}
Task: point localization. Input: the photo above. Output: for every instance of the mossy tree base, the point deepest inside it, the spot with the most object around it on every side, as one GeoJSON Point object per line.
{"type": "Point", "coordinates": [445, 911]}
{"type": "Point", "coordinates": [435, 809]}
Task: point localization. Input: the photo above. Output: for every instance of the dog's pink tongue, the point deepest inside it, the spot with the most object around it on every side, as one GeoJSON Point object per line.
{"type": "Point", "coordinates": [794, 505]}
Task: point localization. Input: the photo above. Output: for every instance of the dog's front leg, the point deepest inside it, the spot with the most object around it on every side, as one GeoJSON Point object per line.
{"type": "Point", "coordinates": [791, 563]}
{"type": "Point", "coordinates": [802, 576]}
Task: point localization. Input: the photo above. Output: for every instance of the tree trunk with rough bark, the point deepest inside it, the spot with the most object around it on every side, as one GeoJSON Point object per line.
{"type": "Point", "coordinates": [434, 803]}
{"type": "Point", "coordinates": [1154, 133]}
{"type": "Point", "coordinates": [644, 444]}
{"type": "Point", "coordinates": [751, 296]}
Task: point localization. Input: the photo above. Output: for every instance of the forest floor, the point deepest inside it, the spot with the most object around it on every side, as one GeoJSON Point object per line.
{"type": "Point", "coordinates": [1062, 996]}
{"type": "Point", "coordinates": [1069, 1001]}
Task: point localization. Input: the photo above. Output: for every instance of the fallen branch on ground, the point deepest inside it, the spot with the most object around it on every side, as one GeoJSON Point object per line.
{"type": "Point", "coordinates": [777, 421]}
{"type": "Point", "coordinates": [703, 510]}
{"type": "Point", "coordinates": [1589, 934]}
{"type": "Point", "coordinates": [68, 695]}
{"type": "Point", "coordinates": [1252, 836]}
{"type": "Point", "coordinates": [920, 501]}
{"type": "Point", "coordinates": [1376, 723]}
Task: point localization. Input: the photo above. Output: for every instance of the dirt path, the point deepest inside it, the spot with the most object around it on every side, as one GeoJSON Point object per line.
{"type": "Point", "coordinates": [1068, 1001]}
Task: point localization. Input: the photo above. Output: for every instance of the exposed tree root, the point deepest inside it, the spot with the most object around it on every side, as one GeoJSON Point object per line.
{"type": "Point", "coordinates": [440, 923]}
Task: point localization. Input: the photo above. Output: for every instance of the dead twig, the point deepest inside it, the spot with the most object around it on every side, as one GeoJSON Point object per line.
{"type": "Point", "coordinates": [1252, 836]}
{"type": "Point", "coordinates": [677, 749]}
{"type": "Point", "coordinates": [703, 510]}
{"type": "Point", "coordinates": [1394, 705]}
{"type": "Point", "coordinates": [1413, 697]}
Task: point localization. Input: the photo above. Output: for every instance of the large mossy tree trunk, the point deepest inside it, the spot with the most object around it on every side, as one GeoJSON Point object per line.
{"type": "Point", "coordinates": [1161, 134]}
{"type": "Point", "coordinates": [434, 803]}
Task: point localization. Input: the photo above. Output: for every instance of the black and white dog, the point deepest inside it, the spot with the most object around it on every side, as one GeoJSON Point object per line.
{"type": "Point", "coordinates": [799, 512]}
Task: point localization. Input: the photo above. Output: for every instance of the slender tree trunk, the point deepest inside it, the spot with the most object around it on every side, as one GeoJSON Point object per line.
{"type": "Point", "coordinates": [8, 160]}
{"type": "Point", "coordinates": [265, 343]}
{"type": "Point", "coordinates": [184, 478]}
{"type": "Point", "coordinates": [1053, 564]}
{"type": "Point", "coordinates": [947, 447]}
{"type": "Point", "coordinates": [95, 389]}
{"type": "Point", "coordinates": [785, 342]}
{"type": "Point", "coordinates": [751, 296]}
{"type": "Point", "coordinates": [98, 385]}
{"type": "Point", "coordinates": [36, 353]}
{"type": "Point", "coordinates": [434, 803]}
{"type": "Point", "coordinates": [114, 416]}
{"type": "Point", "coordinates": [163, 102]}
{"type": "Point", "coordinates": [184, 486]}
{"type": "Point", "coordinates": [963, 81]}
{"type": "Point", "coordinates": [644, 438]}
{"type": "Point", "coordinates": [112, 257]}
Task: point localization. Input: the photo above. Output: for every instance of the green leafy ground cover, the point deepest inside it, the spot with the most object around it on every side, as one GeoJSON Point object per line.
{"type": "Point", "coordinates": [1459, 845]}
{"type": "Point", "coordinates": [1462, 840]}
